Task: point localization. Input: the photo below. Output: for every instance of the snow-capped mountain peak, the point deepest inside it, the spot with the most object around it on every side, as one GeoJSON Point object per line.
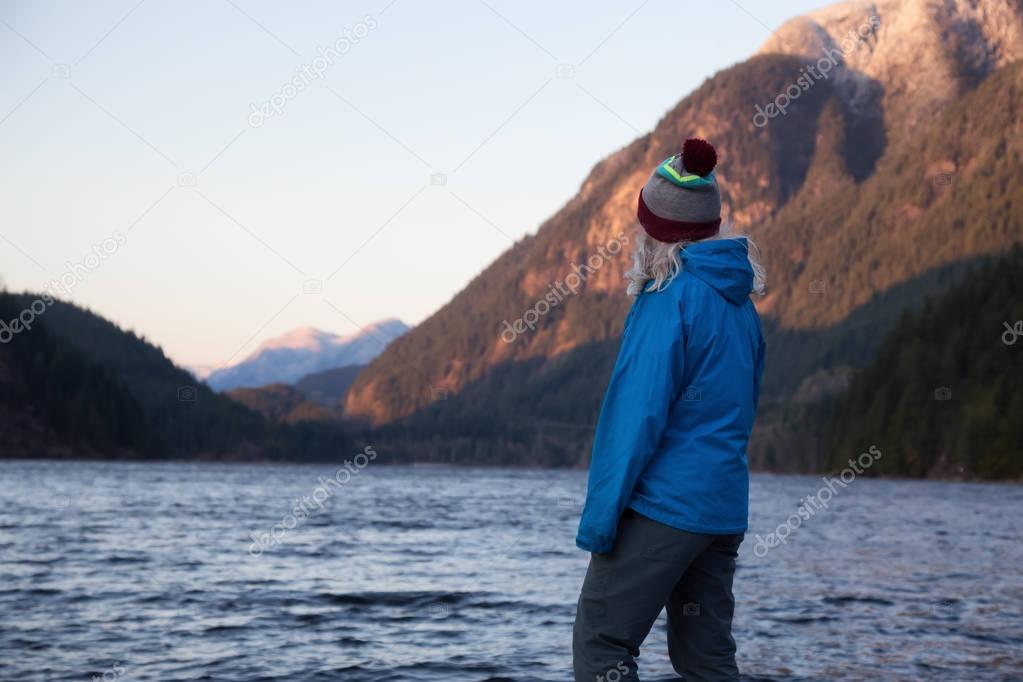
{"type": "Point", "coordinates": [305, 350]}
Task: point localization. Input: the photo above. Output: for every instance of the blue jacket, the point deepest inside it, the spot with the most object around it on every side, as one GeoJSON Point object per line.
{"type": "Point", "coordinates": [673, 429]}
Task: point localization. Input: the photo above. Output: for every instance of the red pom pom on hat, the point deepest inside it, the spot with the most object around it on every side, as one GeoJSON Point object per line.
{"type": "Point", "coordinates": [699, 156]}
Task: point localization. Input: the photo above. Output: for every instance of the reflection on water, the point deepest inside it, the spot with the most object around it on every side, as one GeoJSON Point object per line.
{"type": "Point", "coordinates": [154, 572]}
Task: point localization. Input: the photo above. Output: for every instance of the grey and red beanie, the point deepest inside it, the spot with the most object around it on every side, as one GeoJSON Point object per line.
{"type": "Point", "coordinates": [681, 200]}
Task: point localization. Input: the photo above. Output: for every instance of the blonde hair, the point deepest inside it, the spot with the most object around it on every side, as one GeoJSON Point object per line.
{"type": "Point", "coordinates": [655, 264]}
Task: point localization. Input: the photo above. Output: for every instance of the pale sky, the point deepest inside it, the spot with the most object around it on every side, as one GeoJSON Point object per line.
{"type": "Point", "coordinates": [132, 122]}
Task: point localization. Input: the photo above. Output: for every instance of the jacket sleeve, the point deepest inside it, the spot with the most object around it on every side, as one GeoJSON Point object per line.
{"type": "Point", "coordinates": [644, 383]}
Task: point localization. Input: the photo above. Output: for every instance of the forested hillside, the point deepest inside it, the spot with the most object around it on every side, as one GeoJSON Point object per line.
{"type": "Point", "coordinates": [329, 387]}
{"type": "Point", "coordinates": [282, 403]}
{"type": "Point", "coordinates": [52, 396]}
{"type": "Point", "coordinates": [76, 384]}
{"type": "Point", "coordinates": [944, 394]}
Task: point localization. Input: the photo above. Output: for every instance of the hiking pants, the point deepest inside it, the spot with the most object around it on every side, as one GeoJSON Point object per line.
{"type": "Point", "coordinates": [653, 566]}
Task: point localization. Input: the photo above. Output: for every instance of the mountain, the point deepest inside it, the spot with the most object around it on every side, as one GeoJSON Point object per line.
{"type": "Point", "coordinates": [76, 385]}
{"type": "Point", "coordinates": [918, 55]}
{"type": "Point", "coordinates": [329, 387]}
{"type": "Point", "coordinates": [303, 351]}
{"type": "Point", "coordinates": [879, 186]}
{"type": "Point", "coordinates": [946, 200]}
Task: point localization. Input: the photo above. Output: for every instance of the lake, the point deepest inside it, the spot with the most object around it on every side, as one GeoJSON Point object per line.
{"type": "Point", "coordinates": [206, 571]}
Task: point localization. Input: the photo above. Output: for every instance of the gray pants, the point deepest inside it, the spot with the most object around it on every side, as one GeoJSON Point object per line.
{"type": "Point", "coordinates": [654, 566]}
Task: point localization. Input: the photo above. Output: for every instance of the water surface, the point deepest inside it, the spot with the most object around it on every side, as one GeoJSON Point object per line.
{"type": "Point", "coordinates": [139, 571]}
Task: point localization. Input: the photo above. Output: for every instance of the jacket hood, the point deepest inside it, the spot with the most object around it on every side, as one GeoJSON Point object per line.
{"type": "Point", "coordinates": [723, 264]}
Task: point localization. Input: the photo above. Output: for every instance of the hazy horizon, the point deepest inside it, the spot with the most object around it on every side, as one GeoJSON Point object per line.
{"type": "Point", "coordinates": [135, 122]}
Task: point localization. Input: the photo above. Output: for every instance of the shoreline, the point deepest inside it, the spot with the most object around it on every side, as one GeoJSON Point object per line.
{"type": "Point", "coordinates": [440, 466]}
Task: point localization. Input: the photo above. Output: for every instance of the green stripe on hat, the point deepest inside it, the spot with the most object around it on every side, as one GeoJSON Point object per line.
{"type": "Point", "coordinates": [666, 171]}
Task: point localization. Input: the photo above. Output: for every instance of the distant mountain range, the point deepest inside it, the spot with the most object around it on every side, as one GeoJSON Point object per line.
{"type": "Point", "coordinates": [303, 351]}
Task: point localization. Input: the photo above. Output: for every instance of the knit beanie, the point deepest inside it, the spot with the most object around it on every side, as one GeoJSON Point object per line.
{"type": "Point", "coordinates": [681, 200]}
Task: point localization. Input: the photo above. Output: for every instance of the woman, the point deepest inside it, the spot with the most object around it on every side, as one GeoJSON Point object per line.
{"type": "Point", "coordinates": [667, 500]}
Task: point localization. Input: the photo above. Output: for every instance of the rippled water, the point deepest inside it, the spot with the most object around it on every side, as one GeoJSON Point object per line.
{"type": "Point", "coordinates": [131, 571]}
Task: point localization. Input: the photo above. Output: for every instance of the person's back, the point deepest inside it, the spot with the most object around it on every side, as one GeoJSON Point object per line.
{"type": "Point", "coordinates": [698, 479]}
{"type": "Point", "coordinates": [667, 503]}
